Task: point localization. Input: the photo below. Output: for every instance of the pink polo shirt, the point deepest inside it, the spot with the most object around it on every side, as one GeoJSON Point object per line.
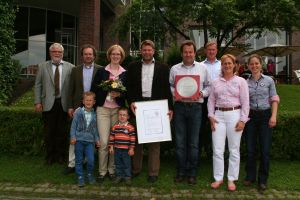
{"type": "Point", "coordinates": [229, 93]}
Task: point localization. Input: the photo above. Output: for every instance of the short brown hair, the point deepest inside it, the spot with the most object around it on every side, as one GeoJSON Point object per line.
{"type": "Point", "coordinates": [187, 43]}
{"type": "Point", "coordinates": [113, 47]}
{"type": "Point", "coordinates": [88, 94]}
{"type": "Point", "coordinates": [147, 43]}
{"type": "Point", "coordinates": [232, 58]}
{"type": "Point", "coordinates": [123, 109]}
{"type": "Point", "coordinates": [85, 46]}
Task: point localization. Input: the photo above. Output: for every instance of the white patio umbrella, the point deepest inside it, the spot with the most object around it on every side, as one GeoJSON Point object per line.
{"type": "Point", "coordinates": [275, 50]}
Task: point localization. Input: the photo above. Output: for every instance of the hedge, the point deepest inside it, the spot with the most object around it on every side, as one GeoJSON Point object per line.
{"type": "Point", "coordinates": [21, 133]}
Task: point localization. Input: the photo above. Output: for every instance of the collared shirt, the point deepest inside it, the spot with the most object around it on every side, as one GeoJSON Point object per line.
{"type": "Point", "coordinates": [214, 68]}
{"type": "Point", "coordinates": [229, 93]}
{"type": "Point", "coordinates": [262, 92]}
{"type": "Point", "coordinates": [196, 69]}
{"type": "Point", "coordinates": [147, 78]}
{"type": "Point", "coordinates": [60, 74]}
{"type": "Point", "coordinates": [87, 75]}
{"type": "Point", "coordinates": [88, 116]}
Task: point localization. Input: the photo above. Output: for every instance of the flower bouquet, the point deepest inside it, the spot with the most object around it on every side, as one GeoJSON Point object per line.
{"type": "Point", "coordinates": [113, 85]}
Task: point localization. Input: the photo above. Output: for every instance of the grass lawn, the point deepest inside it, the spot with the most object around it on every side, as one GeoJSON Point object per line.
{"type": "Point", "coordinates": [284, 175]}
{"type": "Point", "coordinates": [289, 97]}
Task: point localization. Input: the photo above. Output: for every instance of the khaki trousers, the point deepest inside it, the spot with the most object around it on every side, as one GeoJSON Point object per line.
{"type": "Point", "coordinates": [106, 118]}
{"type": "Point", "coordinates": [153, 159]}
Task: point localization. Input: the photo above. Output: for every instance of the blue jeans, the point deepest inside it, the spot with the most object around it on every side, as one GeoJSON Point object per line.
{"type": "Point", "coordinates": [257, 129]}
{"type": "Point", "coordinates": [82, 149]}
{"type": "Point", "coordinates": [122, 163]}
{"type": "Point", "coordinates": [187, 122]}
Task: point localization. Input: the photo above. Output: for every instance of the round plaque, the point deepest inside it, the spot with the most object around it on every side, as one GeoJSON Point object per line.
{"type": "Point", "coordinates": [187, 87]}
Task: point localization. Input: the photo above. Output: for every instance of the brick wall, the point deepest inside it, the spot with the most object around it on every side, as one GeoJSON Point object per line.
{"type": "Point", "coordinates": [89, 24]}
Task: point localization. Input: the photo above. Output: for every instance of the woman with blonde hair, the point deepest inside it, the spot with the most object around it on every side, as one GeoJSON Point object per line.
{"type": "Point", "coordinates": [228, 108]}
{"type": "Point", "coordinates": [107, 103]}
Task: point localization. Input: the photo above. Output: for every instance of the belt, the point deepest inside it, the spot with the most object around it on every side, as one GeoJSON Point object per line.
{"type": "Point", "coordinates": [259, 111]}
{"type": "Point", "coordinates": [146, 98]}
{"type": "Point", "coordinates": [228, 108]}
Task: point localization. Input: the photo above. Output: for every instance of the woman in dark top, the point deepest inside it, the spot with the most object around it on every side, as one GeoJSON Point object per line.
{"type": "Point", "coordinates": [107, 103]}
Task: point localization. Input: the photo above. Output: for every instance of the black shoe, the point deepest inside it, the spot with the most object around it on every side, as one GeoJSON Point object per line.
{"type": "Point", "coordinates": [100, 179]}
{"type": "Point", "coordinates": [179, 179]}
{"type": "Point", "coordinates": [112, 177]}
{"type": "Point", "coordinates": [192, 180]}
{"type": "Point", "coordinates": [127, 180]}
{"type": "Point", "coordinates": [262, 187]}
{"type": "Point", "coordinates": [69, 170]}
{"type": "Point", "coordinates": [152, 179]}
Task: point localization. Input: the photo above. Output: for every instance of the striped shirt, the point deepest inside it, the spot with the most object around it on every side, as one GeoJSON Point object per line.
{"type": "Point", "coordinates": [122, 136]}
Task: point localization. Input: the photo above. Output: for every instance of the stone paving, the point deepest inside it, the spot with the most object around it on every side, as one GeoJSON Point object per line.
{"type": "Point", "coordinates": [16, 191]}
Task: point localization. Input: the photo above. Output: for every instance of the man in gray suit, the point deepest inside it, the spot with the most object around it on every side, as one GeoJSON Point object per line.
{"type": "Point", "coordinates": [80, 82]}
{"type": "Point", "coordinates": [51, 92]}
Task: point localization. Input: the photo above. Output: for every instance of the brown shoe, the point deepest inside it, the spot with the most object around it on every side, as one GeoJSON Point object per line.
{"type": "Point", "coordinates": [192, 180]}
{"type": "Point", "coordinates": [247, 183]}
{"type": "Point", "coordinates": [179, 179]}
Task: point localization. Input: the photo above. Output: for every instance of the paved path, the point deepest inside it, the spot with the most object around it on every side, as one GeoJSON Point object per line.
{"type": "Point", "coordinates": [14, 191]}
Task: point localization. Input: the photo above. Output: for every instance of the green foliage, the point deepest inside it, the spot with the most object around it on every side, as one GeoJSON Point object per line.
{"type": "Point", "coordinates": [229, 21]}
{"type": "Point", "coordinates": [173, 55]}
{"type": "Point", "coordinates": [8, 72]}
{"type": "Point", "coordinates": [20, 131]}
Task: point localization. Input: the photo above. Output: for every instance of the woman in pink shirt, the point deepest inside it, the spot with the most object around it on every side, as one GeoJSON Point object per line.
{"type": "Point", "coordinates": [107, 103]}
{"type": "Point", "coordinates": [228, 108]}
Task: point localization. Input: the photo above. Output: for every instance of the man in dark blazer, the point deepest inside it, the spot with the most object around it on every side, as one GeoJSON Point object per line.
{"type": "Point", "coordinates": [148, 80]}
{"type": "Point", "coordinates": [51, 90]}
{"type": "Point", "coordinates": [80, 82]}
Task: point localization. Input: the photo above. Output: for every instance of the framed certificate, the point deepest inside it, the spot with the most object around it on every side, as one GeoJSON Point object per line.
{"type": "Point", "coordinates": [152, 121]}
{"type": "Point", "coordinates": [187, 87]}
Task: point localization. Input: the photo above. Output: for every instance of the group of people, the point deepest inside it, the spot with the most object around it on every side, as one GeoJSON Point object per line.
{"type": "Point", "coordinates": [233, 105]}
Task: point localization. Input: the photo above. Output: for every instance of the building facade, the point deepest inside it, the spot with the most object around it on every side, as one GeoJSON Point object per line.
{"type": "Point", "coordinates": [70, 22]}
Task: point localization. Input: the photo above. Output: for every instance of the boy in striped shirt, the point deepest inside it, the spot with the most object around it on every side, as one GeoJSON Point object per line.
{"type": "Point", "coordinates": [121, 143]}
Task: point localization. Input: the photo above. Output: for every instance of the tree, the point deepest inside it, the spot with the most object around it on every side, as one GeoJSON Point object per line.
{"type": "Point", "coordinates": [8, 73]}
{"type": "Point", "coordinates": [228, 21]}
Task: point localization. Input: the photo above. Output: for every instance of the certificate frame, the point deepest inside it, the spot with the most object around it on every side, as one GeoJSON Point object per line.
{"type": "Point", "coordinates": [187, 87]}
{"type": "Point", "coordinates": [152, 121]}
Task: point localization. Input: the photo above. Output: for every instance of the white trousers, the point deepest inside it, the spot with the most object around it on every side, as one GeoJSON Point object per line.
{"type": "Point", "coordinates": [106, 118]}
{"type": "Point", "coordinates": [71, 156]}
{"type": "Point", "coordinates": [226, 128]}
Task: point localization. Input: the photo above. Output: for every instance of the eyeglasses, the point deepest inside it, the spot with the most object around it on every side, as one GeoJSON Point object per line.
{"type": "Point", "coordinates": [115, 54]}
{"type": "Point", "coordinates": [56, 51]}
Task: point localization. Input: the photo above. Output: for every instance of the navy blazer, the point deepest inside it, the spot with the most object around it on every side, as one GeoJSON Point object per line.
{"type": "Point", "coordinates": [103, 75]}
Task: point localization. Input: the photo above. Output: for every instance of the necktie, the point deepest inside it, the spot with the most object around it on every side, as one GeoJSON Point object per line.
{"type": "Point", "coordinates": [56, 79]}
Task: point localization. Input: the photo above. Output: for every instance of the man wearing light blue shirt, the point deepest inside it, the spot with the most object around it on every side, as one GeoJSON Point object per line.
{"type": "Point", "coordinates": [214, 69]}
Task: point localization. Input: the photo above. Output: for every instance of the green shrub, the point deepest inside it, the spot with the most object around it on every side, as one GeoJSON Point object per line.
{"type": "Point", "coordinates": [8, 72]}
{"type": "Point", "coordinates": [21, 133]}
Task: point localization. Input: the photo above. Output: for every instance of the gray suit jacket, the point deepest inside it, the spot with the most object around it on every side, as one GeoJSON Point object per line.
{"type": "Point", "coordinates": [44, 85]}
